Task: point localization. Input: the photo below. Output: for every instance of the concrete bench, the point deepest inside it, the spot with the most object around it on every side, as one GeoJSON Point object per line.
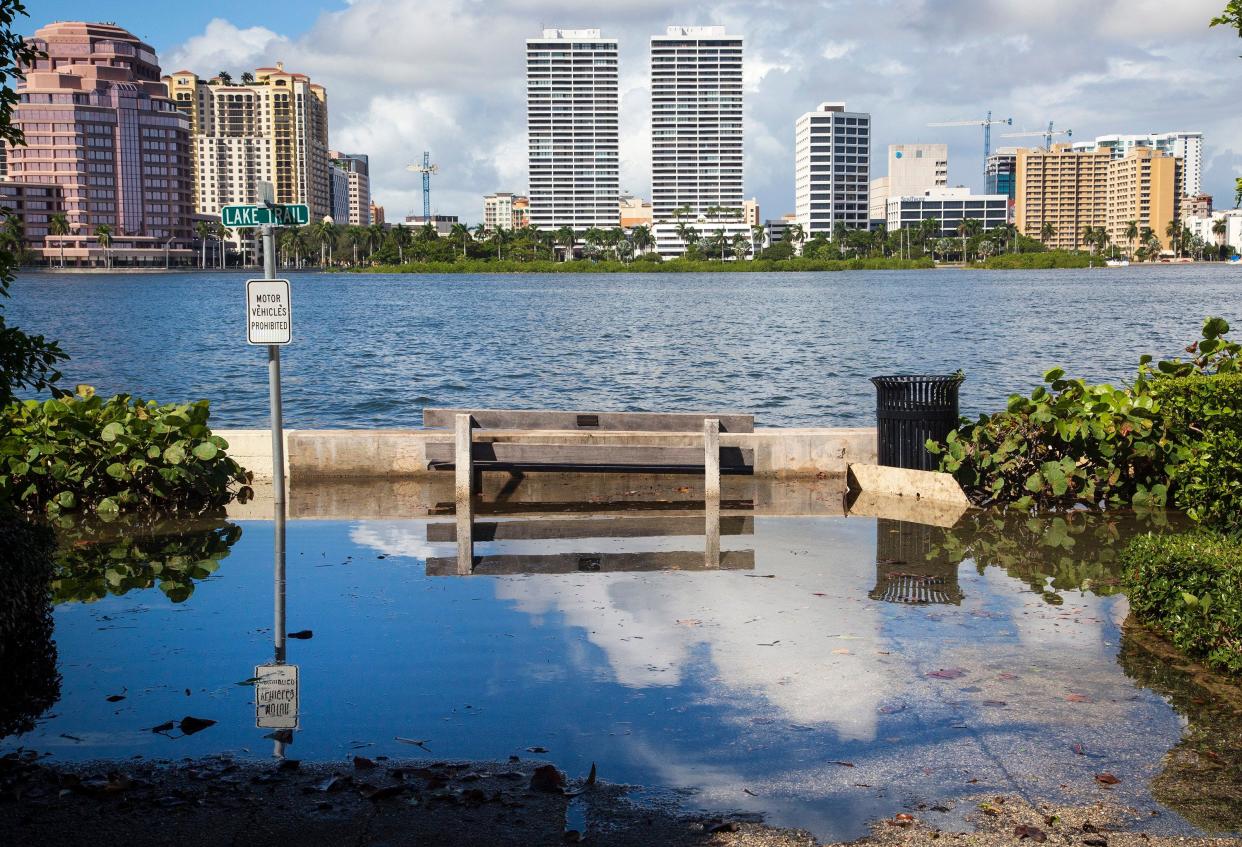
{"type": "Point", "coordinates": [587, 441]}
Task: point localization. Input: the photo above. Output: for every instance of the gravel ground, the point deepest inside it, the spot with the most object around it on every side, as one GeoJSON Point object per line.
{"type": "Point", "coordinates": [219, 801]}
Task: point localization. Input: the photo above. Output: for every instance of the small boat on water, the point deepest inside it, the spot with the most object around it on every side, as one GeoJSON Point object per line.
{"type": "Point", "coordinates": [1235, 260]}
{"type": "Point", "coordinates": [1118, 263]}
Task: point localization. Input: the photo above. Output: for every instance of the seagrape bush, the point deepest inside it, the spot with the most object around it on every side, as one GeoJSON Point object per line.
{"type": "Point", "coordinates": [1169, 437]}
{"type": "Point", "coordinates": [85, 454]}
{"type": "Point", "coordinates": [1188, 587]}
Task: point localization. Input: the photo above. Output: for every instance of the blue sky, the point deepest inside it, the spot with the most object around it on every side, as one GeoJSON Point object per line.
{"type": "Point", "coordinates": [446, 75]}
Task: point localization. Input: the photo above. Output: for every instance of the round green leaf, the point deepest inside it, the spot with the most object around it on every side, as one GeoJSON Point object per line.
{"type": "Point", "coordinates": [206, 451]}
{"type": "Point", "coordinates": [174, 455]}
{"type": "Point", "coordinates": [112, 430]}
{"type": "Point", "coordinates": [66, 499]}
{"type": "Point", "coordinates": [116, 470]}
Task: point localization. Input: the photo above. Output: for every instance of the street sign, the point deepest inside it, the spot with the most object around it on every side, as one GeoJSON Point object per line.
{"type": "Point", "coordinates": [269, 312]}
{"type": "Point", "coordinates": [276, 696]}
{"type": "Point", "coordinates": [281, 214]}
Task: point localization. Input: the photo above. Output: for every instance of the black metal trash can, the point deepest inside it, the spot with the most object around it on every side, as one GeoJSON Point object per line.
{"type": "Point", "coordinates": [910, 410]}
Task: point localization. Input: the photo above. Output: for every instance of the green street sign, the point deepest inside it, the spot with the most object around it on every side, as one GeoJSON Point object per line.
{"type": "Point", "coordinates": [283, 214]}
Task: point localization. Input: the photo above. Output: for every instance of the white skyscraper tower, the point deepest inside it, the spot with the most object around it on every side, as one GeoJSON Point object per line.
{"type": "Point", "coordinates": [832, 169]}
{"type": "Point", "coordinates": [571, 123]}
{"type": "Point", "coordinates": [696, 126]}
{"type": "Point", "coordinates": [696, 120]}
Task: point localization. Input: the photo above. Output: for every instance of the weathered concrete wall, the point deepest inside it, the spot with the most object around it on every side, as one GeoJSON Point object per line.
{"type": "Point", "coordinates": [360, 454]}
{"type": "Point", "coordinates": [870, 478]}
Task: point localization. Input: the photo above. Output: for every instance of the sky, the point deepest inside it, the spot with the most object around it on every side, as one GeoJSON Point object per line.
{"type": "Point", "coordinates": [446, 76]}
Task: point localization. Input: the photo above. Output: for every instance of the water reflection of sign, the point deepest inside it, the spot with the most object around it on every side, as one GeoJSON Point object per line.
{"type": "Point", "coordinates": [276, 696]}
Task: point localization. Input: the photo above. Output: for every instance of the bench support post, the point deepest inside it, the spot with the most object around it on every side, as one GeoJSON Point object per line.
{"type": "Point", "coordinates": [463, 458]}
{"type": "Point", "coordinates": [711, 459]}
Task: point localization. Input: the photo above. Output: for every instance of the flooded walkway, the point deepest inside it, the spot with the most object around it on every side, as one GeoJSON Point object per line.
{"type": "Point", "coordinates": [834, 669]}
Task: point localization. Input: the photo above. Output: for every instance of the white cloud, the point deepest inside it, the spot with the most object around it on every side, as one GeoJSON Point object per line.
{"type": "Point", "coordinates": [404, 76]}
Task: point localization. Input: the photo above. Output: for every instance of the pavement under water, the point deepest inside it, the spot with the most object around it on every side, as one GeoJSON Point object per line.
{"type": "Point", "coordinates": [795, 680]}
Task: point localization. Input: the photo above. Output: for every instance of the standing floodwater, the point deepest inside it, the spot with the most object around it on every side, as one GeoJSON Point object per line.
{"type": "Point", "coordinates": [796, 349]}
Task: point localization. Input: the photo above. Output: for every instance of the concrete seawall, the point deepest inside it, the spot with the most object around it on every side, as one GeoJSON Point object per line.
{"type": "Point", "coordinates": [370, 453]}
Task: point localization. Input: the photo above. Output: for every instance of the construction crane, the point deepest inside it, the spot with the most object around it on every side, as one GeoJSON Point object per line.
{"type": "Point", "coordinates": [1046, 133]}
{"type": "Point", "coordinates": [986, 123]}
{"type": "Point", "coordinates": [426, 169]}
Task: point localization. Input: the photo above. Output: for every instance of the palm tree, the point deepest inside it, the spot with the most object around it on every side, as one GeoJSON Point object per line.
{"type": "Point", "coordinates": [222, 233]}
{"type": "Point", "coordinates": [103, 234]}
{"type": "Point", "coordinates": [1237, 192]}
{"type": "Point", "coordinates": [689, 235]}
{"type": "Point", "coordinates": [642, 238]}
{"type": "Point", "coordinates": [961, 231]}
{"type": "Point", "coordinates": [480, 232]}
{"type": "Point", "coordinates": [567, 238]}
{"type": "Point", "coordinates": [225, 77]}
{"type": "Point", "coordinates": [719, 240]}
{"type": "Point", "coordinates": [1219, 229]}
{"type": "Point", "coordinates": [1173, 232]}
{"type": "Point", "coordinates": [203, 230]}
{"type": "Point", "coordinates": [759, 233]}
{"type": "Point", "coordinates": [1047, 232]}
{"type": "Point", "coordinates": [795, 235]}
{"type": "Point", "coordinates": [460, 232]}
{"type": "Point", "coordinates": [1132, 232]}
{"type": "Point", "coordinates": [401, 238]}
{"type": "Point", "coordinates": [741, 246]}
{"type": "Point", "coordinates": [58, 225]}
{"type": "Point", "coordinates": [247, 78]}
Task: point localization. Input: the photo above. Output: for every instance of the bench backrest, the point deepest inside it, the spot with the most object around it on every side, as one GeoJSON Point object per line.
{"type": "Point", "coordinates": [588, 421]}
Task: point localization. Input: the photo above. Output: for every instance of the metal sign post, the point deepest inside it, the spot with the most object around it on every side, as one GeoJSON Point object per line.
{"type": "Point", "coordinates": [273, 379]}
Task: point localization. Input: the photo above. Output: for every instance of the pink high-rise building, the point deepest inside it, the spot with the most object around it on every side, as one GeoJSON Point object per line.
{"type": "Point", "coordinates": [100, 127]}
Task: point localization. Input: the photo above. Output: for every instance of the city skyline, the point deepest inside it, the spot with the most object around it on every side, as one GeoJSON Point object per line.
{"type": "Point", "coordinates": [456, 85]}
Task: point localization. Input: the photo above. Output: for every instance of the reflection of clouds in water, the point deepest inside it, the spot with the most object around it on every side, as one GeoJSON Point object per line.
{"type": "Point", "coordinates": [767, 637]}
{"type": "Point", "coordinates": [395, 538]}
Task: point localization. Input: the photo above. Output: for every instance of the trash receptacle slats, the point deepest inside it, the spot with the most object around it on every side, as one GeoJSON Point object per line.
{"type": "Point", "coordinates": [910, 409]}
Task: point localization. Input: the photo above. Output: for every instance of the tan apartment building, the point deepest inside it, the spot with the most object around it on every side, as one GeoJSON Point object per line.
{"type": "Point", "coordinates": [1075, 189]}
{"type": "Point", "coordinates": [273, 128]}
{"type": "Point", "coordinates": [1061, 187]}
{"type": "Point", "coordinates": [1143, 187]}
{"type": "Point", "coordinates": [505, 210]}
{"type": "Point", "coordinates": [635, 211]}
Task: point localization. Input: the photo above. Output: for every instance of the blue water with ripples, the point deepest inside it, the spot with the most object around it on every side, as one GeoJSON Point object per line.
{"type": "Point", "coordinates": [795, 349]}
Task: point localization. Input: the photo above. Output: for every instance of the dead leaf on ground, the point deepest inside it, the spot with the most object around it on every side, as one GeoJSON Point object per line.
{"type": "Point", "coordinates": [1106, 779]}
{"type": "Point", "coordinates": [842, 651]}
{"type": "Point", "coordinates": [947, 673]}
{"type": "Point", "coordinates": [1034, 833]}
{"type": "Point", "coordinates": [190, 724]}
{"type": "Point", "coordinates": [548, 779]}
{"type": "Point", "coordinates": [362, 763]}
{"type": "Point", "coordinates": [1078, 698]}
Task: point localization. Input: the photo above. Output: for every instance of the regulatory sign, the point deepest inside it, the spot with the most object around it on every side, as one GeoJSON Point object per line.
{"type": "Point", "coordinates": [269, 312]}
{"type": "Point", "coordinates": [276, 696]}
{"type": "Point", "coordinates": [282, 214]}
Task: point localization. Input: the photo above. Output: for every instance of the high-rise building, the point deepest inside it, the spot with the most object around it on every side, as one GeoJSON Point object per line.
{"type": "Point", "coordinates": [1144, 187]}
{"type": "Point", "coordinates": [100, 127]}
{"type": "Point", "coordinates": [1187, 146]}
{"type": "Point", "coordinates": [696, 122]}
{"type": "Point", "coordinates": [1059, 192]}
{"type": "Point", "coordinates": [273, 128]}
{"type": "Point", "coordinates": [999, 172]}
{"type": "Point", "coordinates": [832, 169]}
{"type": "Point", "coordinates": [505, 210]}
{"type": "Point", "coordinates": [1067, 190]}
{"type": "Point", "coordinates": [750, 211]}
{"type": "Point", "coordinates": [357, 168]}
{"type": "Point", "coordinates": [571, 123]}
{"type": "Point", "coordinates": [377, 213]}
{"type": "Point", "coordinates": [913, 169]}
{"type": "Point", "coordinates": [338, 192]}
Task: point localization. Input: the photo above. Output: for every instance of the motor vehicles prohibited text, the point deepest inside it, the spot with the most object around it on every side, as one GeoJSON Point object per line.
{"type": "Point", "coordinates": [269, 312]}
{"type": "Point", "coordinates": [276, 696]}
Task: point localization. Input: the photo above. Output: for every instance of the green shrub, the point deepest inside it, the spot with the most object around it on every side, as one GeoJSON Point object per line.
{"type": "Point", "coordinates": [89, 455]}
{"type": "Point", "coordinates": [1041, 261]}
{"type": "Point", "coordinates": [1188, 587]}
{"type": "Point", "coordinates": [1206, 411]}
{"type": "Point", "coordinates": [1074, 444]}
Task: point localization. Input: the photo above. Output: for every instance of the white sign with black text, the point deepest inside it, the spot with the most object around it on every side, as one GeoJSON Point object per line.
{"type": "Point", "coordinates": [269, 312]}
{"type": "Point", "coordinates": [276, 696]}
